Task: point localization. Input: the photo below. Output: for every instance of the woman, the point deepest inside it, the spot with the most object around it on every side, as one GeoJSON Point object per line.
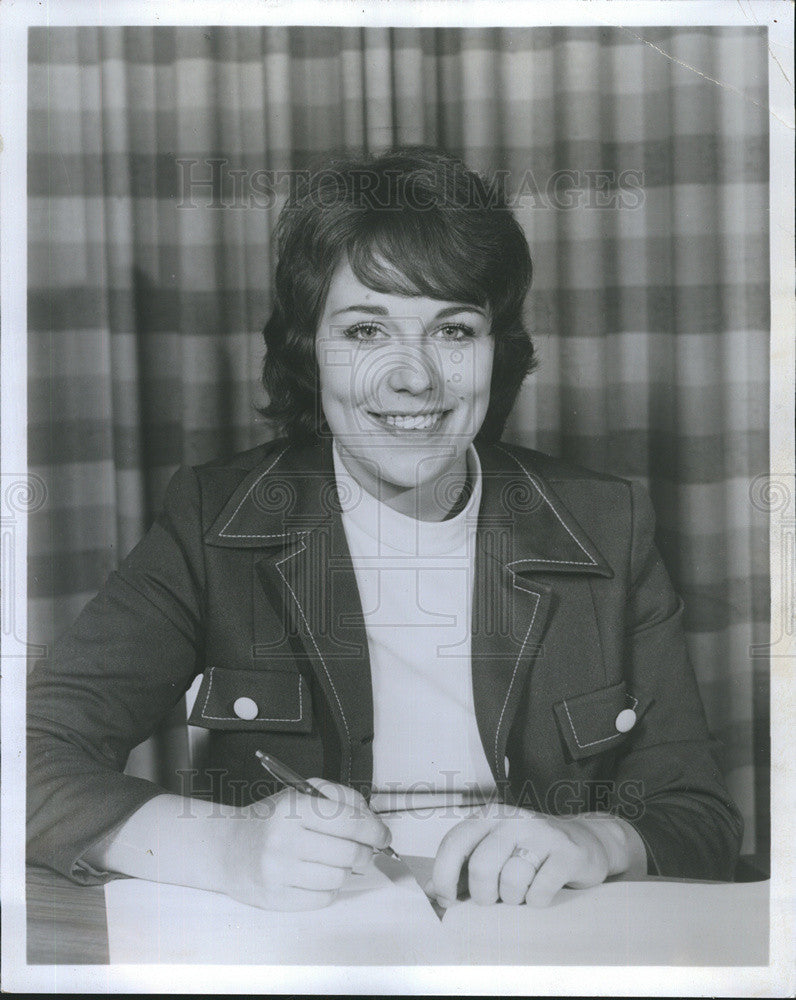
{"type": "Point", "coordinates": [388, 599]}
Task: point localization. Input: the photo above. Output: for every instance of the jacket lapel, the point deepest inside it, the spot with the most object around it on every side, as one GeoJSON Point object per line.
{"type": "Point", "coordinates": [290, 509]}
{"type": "Point", "coordinates": [523, 530]}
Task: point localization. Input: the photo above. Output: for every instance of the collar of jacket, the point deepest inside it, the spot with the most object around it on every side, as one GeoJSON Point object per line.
{"type": "Point", "coordinates": [294, 492]}
{"type": "Point", "coordinates": [289, 507]}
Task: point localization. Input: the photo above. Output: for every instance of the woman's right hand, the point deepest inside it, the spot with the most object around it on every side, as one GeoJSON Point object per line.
{"type": "Point", "coordinates": [293, 851]}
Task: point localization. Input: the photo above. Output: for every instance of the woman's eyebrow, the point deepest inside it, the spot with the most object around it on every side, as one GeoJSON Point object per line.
{"type": "Point", "coordinates": [375, 310]}
{"type": "Point", "coordinates": [463, 307]}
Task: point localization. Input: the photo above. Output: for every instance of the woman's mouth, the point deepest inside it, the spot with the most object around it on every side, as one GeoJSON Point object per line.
{"type": "Point", "coordinates": [408, 421]}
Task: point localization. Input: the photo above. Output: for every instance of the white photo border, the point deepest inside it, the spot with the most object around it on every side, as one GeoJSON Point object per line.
{"type": "Point", "coordinates": [15, 17]}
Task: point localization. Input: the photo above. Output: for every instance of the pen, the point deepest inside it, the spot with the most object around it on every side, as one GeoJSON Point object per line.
{"type": "Point", "coordinates": [289, 777]}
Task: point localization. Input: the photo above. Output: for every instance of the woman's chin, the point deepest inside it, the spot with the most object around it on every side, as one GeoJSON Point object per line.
{"type": "Point", "coordinates": [407, 469]}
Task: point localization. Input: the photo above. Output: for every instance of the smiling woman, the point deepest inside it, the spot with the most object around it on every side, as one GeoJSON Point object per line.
{"type": "Point", "coordinates": [419, 372]}
{"type": "Point", "coordinates": [389, 600]}
{"type": "Point", "coordinates": [409, 279]}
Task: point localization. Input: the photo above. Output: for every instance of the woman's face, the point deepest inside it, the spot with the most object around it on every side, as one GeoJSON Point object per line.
{"type": "Point", "coordinates": [404, 381]}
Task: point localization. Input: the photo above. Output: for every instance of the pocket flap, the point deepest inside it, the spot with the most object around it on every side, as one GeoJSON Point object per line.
{"type": "Point", "coordinates": [276, 700]}
{"type": "Point", "coordinates": [594, 722]}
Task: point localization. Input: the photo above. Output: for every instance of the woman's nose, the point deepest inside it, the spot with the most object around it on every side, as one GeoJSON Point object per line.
{"type": "Point", "coordinates": [412, 371]}
{"type": "Point", "coordinates": [414, 378]}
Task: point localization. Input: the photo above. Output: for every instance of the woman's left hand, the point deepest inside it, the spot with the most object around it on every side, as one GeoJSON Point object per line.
{"type": "Point", "coordinates": [528, 857]}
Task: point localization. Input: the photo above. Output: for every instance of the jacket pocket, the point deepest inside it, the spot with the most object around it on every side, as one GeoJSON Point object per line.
{"type": "Point", "coordinates": [277, 700]}
{"type": "Point", "coordinates": [597, 721]}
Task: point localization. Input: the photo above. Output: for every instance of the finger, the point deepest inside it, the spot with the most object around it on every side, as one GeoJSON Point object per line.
{"type": "Point", "coordinates": [344, 794]}
{"type": "Point", "coordinates": [317, 877]}
{"type": "Point", "coordinates": [454, 849]}
{"type": "Point", "coordinates": [487, 861]}
{"type": "Point", "coordinates": [516, 876]}
{"type": "Point", "coordinates": [313, 846]}
{"type": "Point", "coordinates": [551, 877]}
{"type": "Point", "coordinates": [364, 858]}
{"type": "Point", "coordinates": [349, 822]}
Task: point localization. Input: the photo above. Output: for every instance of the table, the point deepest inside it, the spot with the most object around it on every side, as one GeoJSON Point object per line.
{"type": "Point", "coordinates": [67, 923]}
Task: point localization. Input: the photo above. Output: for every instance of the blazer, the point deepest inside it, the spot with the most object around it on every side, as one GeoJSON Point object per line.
{"type": "Point", "coordinates": [584, 695]}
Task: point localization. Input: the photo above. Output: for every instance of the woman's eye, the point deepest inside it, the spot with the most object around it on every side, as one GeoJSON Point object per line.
{"type": "Point", "coordinates": [364, 331]}
{"type": "Point", "coordinates": [456, 331]}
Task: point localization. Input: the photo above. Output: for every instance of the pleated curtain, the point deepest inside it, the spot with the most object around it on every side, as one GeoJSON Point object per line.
{"type": "Point", "coordinates": [640, 181]}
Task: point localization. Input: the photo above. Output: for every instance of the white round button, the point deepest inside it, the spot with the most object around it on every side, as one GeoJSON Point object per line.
{"type": "Point", "coordinates": [246, 708]}
{"type": "Point", "coordinates": [625, 720]}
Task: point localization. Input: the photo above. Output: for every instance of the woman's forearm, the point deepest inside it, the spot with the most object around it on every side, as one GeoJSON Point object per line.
{"type": "Point", "coordinates": [168, 839]}
{"type": "Point", "coordinates": [289, 851]}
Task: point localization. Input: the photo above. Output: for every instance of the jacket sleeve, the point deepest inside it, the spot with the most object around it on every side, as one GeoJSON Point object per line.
{"type": "Point", "coordinates": [685, 816]}
{"type": "Point", "coordinates": [118, 671]}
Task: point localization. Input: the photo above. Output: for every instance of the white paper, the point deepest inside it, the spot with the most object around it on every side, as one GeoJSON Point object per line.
{"type": "Point", "coordinates": [384, 918]}
{"type": "Point", "coordinates": [384, 923]}
{"type": "Point", "coordinates": [378, 919]}
{"type": "Point", "coordinates": [621, 923]}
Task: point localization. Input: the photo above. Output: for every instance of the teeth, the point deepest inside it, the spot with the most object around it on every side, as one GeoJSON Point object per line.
{"type": "Point", "coordinates": [417, 423]}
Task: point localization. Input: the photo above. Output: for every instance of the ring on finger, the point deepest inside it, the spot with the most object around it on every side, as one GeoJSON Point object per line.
{"type": "Point", "coordinates": [525, 854]}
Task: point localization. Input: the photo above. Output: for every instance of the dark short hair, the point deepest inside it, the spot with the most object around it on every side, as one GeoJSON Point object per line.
{"type": "Point", "coordinates": [412, 221]}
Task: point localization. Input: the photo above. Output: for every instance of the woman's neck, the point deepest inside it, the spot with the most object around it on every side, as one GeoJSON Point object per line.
{"type": "Point", "coordinates": [428, 501]}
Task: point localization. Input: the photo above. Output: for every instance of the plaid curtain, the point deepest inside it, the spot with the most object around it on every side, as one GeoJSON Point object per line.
{"type": "Point", "coordinates": [642, 186]}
